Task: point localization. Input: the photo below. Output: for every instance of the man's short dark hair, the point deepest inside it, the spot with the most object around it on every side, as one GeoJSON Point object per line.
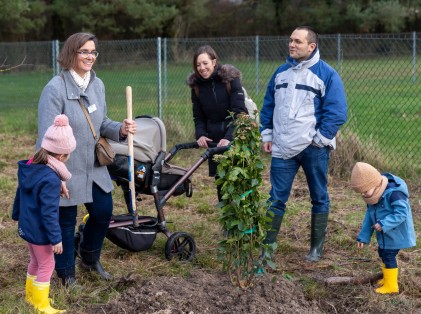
{"type": "Point", "coordinates": [312, 36]}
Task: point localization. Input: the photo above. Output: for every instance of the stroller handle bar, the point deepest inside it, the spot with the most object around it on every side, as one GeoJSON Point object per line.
{"type": "Point", "coordinates": [206, 155]}
{"type": "Point", "coordinates": [179, 147]}
{"type": "Point", "coordinates": [212, 150]}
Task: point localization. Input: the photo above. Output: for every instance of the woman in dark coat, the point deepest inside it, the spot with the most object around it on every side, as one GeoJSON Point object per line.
{"type": "Point", "coordinates": [216, 92]}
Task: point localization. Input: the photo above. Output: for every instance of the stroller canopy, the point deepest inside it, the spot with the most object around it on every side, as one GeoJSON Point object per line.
{"type": "Point", "coordinates": [149, 140]}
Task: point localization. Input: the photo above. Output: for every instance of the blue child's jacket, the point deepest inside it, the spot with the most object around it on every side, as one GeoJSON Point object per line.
{"type": "Point", "coordinates": [37, 203]}
{"type": "Point", "coordinates": [393, 213]}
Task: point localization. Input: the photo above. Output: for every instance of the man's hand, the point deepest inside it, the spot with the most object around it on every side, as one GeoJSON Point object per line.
{"type": "Point", "coordinates": [267, 147]}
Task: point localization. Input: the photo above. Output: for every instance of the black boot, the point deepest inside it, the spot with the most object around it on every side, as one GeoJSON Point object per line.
{"type": "Point", "coordinates": [318, 232]}
{"type": "Point", "coordinates": [67, 276]}
{"type": "Point", "coordinates": [89, 260]}
{"type": "Point", "coordinates": [273, 232]}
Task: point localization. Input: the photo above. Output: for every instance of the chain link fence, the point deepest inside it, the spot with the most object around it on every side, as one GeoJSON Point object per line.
{"type": "Point", "coordinates": [381, 74]}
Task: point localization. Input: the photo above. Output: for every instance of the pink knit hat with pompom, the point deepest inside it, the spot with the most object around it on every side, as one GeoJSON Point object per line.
{"type": "Point", "coordinates": [59, 138]}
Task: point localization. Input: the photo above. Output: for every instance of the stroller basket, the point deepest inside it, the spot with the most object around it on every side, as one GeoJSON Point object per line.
{"type": "Point", "coordinates": [132, 238]}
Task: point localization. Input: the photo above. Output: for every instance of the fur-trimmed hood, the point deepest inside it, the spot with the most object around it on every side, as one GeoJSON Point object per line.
{"type": "Point", "coordinates": [226, 72]}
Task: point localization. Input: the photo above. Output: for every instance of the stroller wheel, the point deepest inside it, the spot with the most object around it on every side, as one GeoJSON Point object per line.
{"type": "Point", "coordinates": [182, 245]}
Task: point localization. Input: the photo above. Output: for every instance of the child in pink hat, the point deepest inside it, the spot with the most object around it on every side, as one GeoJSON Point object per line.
{"type": "Point", "coordinates": [36, 208]}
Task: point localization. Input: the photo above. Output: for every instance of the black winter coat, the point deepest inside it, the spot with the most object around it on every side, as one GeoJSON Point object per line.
{"type": "Point", "coordinates": [212, 103]}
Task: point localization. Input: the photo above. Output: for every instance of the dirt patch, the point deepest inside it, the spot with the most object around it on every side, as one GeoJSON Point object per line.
{"type": "Point", "coordinates": [205, 293]}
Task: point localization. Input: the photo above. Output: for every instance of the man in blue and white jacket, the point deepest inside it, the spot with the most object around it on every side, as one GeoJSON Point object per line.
{"type": "Point", "coordinates": [303, 109]}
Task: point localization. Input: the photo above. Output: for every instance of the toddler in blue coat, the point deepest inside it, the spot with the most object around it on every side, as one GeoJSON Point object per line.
{"type": "Point", "coordinates": [388, 214]}
{"type": "Point", "coordinates": [36, 208]}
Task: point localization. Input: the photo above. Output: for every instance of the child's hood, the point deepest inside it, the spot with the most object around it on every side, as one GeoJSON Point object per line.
{"type": "Point", "coordinates": [30, 175]}
{"type": "Point", "coordinates": [400, 184]}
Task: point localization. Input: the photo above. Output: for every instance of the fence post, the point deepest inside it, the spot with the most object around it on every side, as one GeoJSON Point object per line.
{"type": "Point", "coordinates": [54, 56]}
{"type": "Point", "coordinates": [158, 56]}
{"type": "Point", "coordinates": [257, 64]}
{"type": "Point", "coordinates": [339, 54]}
{"type": "Point", "coordinates": [165, 72]}
{"type": "Point", "coordinates": [414, 56]}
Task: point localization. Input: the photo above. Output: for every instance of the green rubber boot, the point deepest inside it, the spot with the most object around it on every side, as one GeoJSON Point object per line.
{"type": "Point", "coordinates": [273, 232]}
{"type": "Point", "coordinates": [270, 239]}
{"type": "Point", "coordinates": [318, 232]}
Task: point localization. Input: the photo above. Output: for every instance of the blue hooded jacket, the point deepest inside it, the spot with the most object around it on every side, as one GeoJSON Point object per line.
{"type": "Point", "coordinates": [36, 204]}
{"type": "Point", "coordinates": [393, 213]}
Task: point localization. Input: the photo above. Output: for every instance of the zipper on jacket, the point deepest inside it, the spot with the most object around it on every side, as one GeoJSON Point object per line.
{"type": "Point", "coordinates": [214, 91]}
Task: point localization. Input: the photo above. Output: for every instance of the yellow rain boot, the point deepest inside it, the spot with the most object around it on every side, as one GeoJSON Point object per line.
{"type": "Point", "coordinates": [380, 282]}
{"type": "Point", "coordinates": [390, 281]}
{"type": "Point", "coordinates": [40, 292]}
{"type": "Point", "coordinates": [29, 283]}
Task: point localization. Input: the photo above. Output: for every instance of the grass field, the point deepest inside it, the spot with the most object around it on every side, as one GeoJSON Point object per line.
{"type": "Point", "coordinates": [383, 99]}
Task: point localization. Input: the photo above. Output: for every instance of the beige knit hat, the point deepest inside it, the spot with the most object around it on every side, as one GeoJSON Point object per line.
{"type": "Point", "coordinates": [365, 177]}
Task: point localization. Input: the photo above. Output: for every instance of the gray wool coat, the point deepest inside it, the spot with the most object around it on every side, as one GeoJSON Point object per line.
{"type": "Point", "coordinates": [60, 96]}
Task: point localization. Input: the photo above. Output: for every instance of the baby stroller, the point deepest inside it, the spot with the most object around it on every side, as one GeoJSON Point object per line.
{"type": "Point", "coordinates": [153, 176]}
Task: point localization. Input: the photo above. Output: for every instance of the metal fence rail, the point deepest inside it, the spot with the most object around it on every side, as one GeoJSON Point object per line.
{"type": "Point", "coordinates": [381, 73]}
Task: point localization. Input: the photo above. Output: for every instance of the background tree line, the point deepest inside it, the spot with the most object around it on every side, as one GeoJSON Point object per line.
{"type": "Point", "coordinates": [39, 20]}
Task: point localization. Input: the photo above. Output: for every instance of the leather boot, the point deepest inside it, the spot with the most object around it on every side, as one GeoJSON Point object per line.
{"type": "Point", "coordinates": [89, 261]}
{"type": "Point", "coordinates": [68, 281]}
{"type": "Point", "coordinates": [67, 276]}
{"type": "Point", "coordinates": [273, 232]}
{"type": "Point", "coordinates": [318, 233]}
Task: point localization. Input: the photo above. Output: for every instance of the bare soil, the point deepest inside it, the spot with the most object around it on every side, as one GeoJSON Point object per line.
{"type": "Point", "coordinates": [205, 292]}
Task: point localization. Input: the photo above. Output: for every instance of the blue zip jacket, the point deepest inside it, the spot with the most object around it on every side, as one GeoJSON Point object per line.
{"type": "Point", "coordinates": [393, 213]}
{"type": "Point", "coordinates": [36, 204]}
{"type": "Point", "coordinates": [305, 102]}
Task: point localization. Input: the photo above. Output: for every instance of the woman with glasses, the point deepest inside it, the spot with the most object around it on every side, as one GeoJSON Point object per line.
{"type": "Point", "coordinates": [91, 185]}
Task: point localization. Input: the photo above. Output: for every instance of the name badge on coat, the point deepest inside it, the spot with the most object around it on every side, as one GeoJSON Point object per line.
{"type": "Point", "coordinates": [92, 108]}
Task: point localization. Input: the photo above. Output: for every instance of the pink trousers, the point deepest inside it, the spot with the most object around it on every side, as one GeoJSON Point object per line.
{"type": "Point", "coordinates": [42, 262]}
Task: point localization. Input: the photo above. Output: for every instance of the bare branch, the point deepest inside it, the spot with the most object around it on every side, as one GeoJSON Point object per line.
{"type": "Point", "coordinates": [352, 280]}
{"type": "Point", "coordinates": [7, 68]}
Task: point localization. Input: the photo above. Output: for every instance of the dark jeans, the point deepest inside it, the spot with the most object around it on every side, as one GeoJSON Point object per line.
{"type": "Point", "coordinates": [388, 257]}
{"type": "Point", "coordinates": [100, 211]}
{"type": "Point", "coordinates": [314, 161]}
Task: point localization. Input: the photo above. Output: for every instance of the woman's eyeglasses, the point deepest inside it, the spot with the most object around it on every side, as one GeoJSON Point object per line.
{"type": "Point", "coordinates": [85, 53]}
